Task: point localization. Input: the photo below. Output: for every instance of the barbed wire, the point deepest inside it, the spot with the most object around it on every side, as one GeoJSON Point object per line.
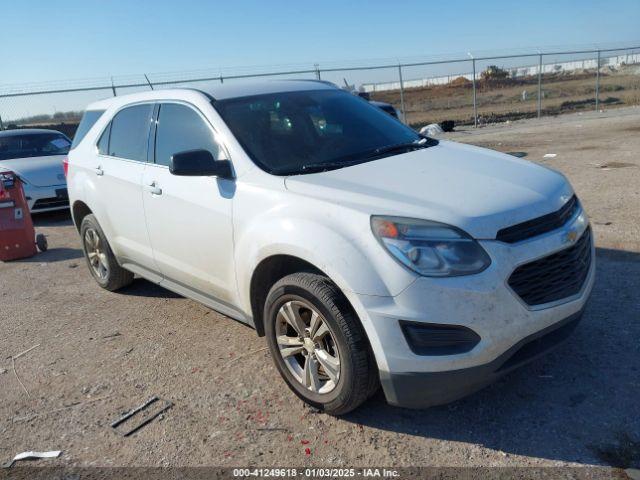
{"type": "Point", "coordinates": [247, 71]}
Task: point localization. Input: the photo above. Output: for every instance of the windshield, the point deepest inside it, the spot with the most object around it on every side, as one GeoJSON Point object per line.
{"type": "Point", "coordinates": [291, 133]}
{"type": "Point", "coordinates": [23, 145]}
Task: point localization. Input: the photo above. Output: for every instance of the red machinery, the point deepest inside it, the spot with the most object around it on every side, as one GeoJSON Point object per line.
{"type": "Point", "coordinates": [17, 236]}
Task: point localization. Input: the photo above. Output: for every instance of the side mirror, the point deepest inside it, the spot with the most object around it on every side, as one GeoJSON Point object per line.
{"type": "Point", "coordinates": [199, 163]}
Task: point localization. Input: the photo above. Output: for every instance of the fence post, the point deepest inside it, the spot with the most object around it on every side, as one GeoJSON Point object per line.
{"type": "Point", "coordinates": [598, 82]}
{"type": "Point", "coordinates": [404, 115]}
{"type": "Point", "coordinates": [113, 88]}
{"type": "Point", "coordinates": [475, 105]}
{"type": "Point", "coordinates": [317, 68]}
{"type": "Point", "coordinates": [540, 86]}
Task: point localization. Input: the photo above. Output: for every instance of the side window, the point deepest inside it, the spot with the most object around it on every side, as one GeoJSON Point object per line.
{"type": "Point", "coordinates": [129, 133]}
{"type": "Point", "coordinates": [181, 128]}
{"type": "Point", "coordinates": [103, 143]}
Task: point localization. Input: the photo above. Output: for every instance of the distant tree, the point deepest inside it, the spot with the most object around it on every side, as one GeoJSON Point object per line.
{"type": "Point", "coordinates": [57, 117]}
{"type": "Point", "coordinates": [493, 73]}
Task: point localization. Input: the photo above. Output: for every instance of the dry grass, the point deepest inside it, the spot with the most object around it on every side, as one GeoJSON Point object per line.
{"type": "Point", "coordinates": [500, 101]}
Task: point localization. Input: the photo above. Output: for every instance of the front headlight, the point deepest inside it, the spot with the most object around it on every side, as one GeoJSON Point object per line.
{"type": "Point", "coordinates": [430, 248]}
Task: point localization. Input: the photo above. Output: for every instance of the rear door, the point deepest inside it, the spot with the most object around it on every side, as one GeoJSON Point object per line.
{"type": "Point", "coordinates": [119, 167]}
{"type": "Point", "coordinates": [189, 218]}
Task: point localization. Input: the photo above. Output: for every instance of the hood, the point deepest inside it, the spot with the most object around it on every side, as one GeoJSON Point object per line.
{"type": "Point", "coordinates": [38, 171]}
{"type": "Point", "coordinates": [472, 188]}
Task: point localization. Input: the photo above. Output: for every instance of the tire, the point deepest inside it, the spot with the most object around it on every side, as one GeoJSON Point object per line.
{"type": "Point", "coordinates": [331, 389]}
{"type": "Point", "coordinates": [41, 242]}
{"type": "Point", "coordinates": [100, 259]}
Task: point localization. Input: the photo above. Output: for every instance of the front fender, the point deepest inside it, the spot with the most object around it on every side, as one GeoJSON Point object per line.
{"type": "Point", "coordinates": [352, 258]}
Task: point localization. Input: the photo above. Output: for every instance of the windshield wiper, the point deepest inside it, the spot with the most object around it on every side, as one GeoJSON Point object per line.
{"type": "Point", "coordinates": [424, 142]}
{"type": "Point", "coordinates": [315, 167]}
{"type": "Point", "coordinates": [349, 160]}
{"type": "Point", "coordinates": [323, 167]}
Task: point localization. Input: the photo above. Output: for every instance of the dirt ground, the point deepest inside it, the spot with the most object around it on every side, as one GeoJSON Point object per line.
{"type": "Point", "coordinates": [500, 101]}
{"type": "Point", "coordinates": [99, 354]}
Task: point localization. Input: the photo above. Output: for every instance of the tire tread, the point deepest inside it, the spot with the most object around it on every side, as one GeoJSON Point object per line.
{"type": "Point", "coordinates": [366, 380]}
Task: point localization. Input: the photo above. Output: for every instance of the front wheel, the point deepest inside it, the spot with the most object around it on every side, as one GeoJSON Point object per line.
{"type": "Point", "coordinates": [318, 343]}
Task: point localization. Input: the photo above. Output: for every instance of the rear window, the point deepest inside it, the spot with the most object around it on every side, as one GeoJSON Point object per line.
{"type": "Point", "coordinates": [89, 118]}
{"type": "Point", "coordinates": [130, 133]}
{"type": "Point", "coordinates": [25, 145]}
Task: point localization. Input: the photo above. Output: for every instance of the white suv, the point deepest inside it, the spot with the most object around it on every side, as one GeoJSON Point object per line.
{"type": "Point", "coordinates": [364, 252]}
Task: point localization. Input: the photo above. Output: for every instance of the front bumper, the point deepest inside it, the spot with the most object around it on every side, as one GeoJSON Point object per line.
{"type": "Point", "coordinates": [483, 303]}
{"type": "Point", "coordinates": [427, 389]}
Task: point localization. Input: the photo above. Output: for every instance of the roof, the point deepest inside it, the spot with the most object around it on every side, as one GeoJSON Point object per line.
{"type": "Point", "coordinates": [26, 131]}
{"type": "Point", "coordinates": [237, 89]}
{"type": "Point", "coordinates": [232, 89]}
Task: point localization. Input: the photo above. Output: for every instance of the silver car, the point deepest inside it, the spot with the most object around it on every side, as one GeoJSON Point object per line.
{"type": "Point", "coordinates": [36, 156]}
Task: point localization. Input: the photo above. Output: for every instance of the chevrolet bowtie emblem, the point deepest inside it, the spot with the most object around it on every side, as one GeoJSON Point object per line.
{"type": "Point", "coordinates": [572, 236]}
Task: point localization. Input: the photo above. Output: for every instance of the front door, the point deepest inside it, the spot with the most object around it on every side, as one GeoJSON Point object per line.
{"type": "Point", "coordinates": [189, 218]}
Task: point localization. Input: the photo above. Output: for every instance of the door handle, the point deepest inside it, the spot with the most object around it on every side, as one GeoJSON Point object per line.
{"type": "Point", "coordinates": [154, 189]}
{"type": "Point", "coordinates": [99, 171]}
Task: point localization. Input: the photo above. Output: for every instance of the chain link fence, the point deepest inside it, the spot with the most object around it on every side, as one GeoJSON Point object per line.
{"type": "Point", "coordinates": [468, 90]}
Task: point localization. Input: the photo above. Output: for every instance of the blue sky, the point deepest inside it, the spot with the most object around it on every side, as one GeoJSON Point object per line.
{"type": "Point", "coordinates": [47, 40]}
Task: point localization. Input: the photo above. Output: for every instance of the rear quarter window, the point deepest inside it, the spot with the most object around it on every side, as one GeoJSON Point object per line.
{"type": "Point", "coordinates": [89, 118]}
{"type": "Point", "coordinates": [103, 143]}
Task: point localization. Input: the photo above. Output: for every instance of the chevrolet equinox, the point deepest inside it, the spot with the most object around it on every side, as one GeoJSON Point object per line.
{"type": "Point", "coordinates": [366, 253]}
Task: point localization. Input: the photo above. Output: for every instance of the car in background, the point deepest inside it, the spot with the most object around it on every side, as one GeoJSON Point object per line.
{"type": "Point", "coordinates": [384, 106]}
{"type": "Point", "coordinates": [387, 107]}
{"type": "Point", "coordinates": [36, 157]}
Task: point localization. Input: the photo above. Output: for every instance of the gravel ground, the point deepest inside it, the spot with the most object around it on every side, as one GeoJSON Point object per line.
{"type": "Point", "coordinates": [100, 354]}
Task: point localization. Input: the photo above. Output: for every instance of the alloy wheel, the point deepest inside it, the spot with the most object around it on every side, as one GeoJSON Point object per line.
{"type": "Point", "coordinates": [96, 254]}
{"type": "Point", "coordinates": [307, 346]}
